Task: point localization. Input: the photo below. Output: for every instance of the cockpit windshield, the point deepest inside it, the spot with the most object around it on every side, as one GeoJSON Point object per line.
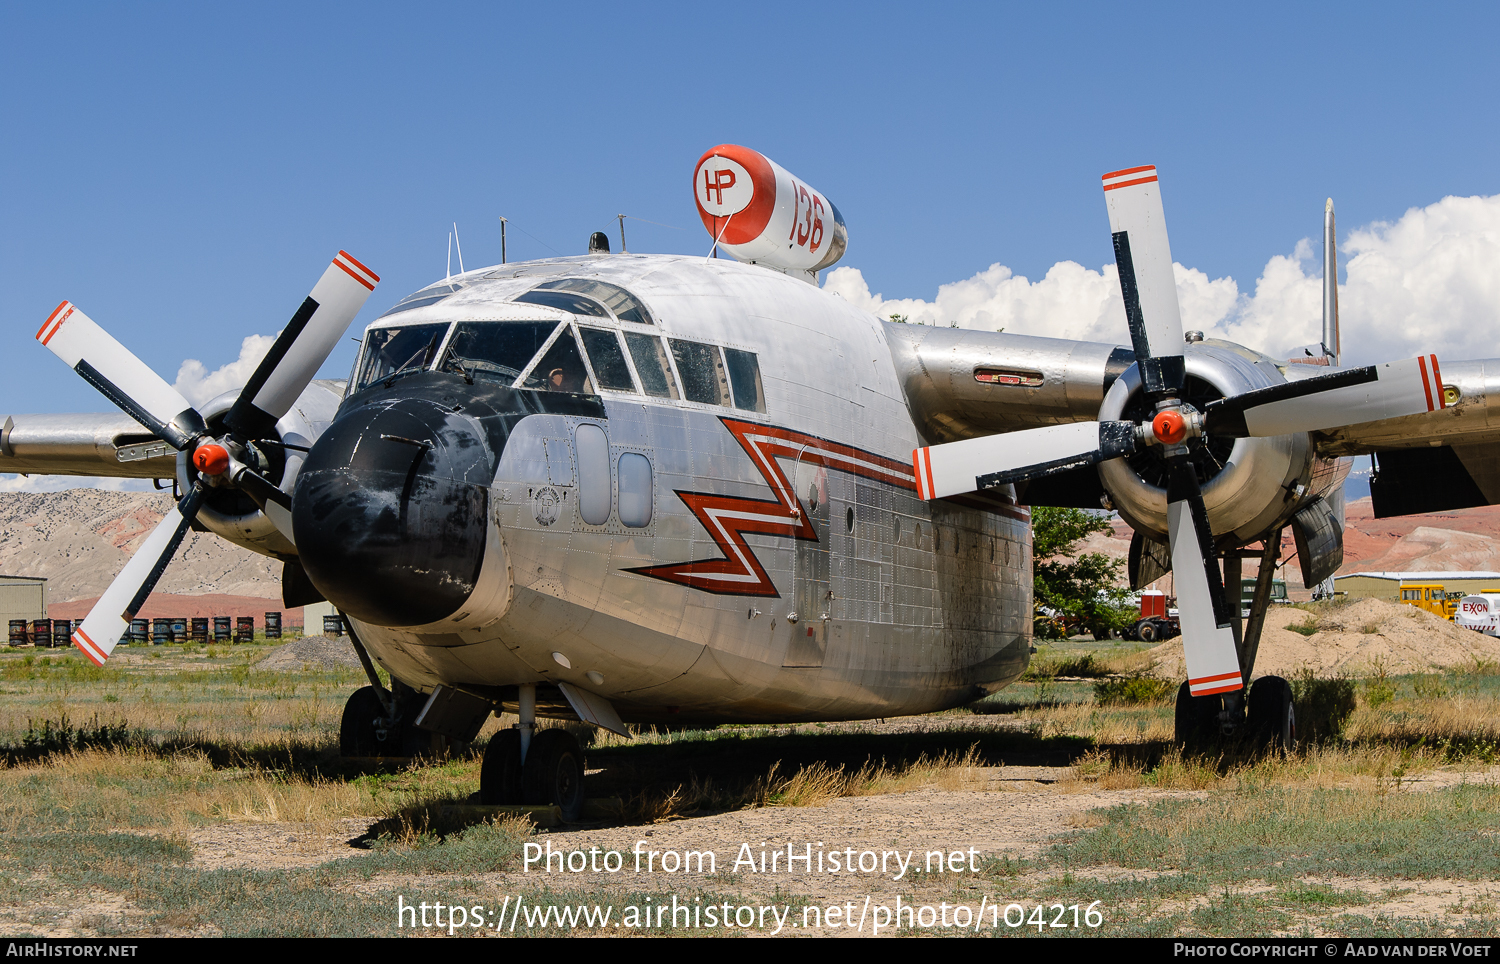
{"type": "Point", "coordinates": [495, 351]}
{"type": "Point", "coordinates": [390, 352]}
{"type": "Point", "coordinates": [561, 369]}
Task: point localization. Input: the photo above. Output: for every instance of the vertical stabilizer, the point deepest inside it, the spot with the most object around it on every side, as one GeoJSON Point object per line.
{"type": "Point", "coordinates": [1330, 287]}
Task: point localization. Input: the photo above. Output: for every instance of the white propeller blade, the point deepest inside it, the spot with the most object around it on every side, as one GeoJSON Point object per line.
{"type": "Point", "coordinates": [302, 347]}
{"type": "Point", "coordinates": [110, 618]}
{"type": "Point", "coordinates": [123, 378]}
{"type": "Point", "coordinates": [1391, 390]}
{"type": "Point", "coordinates": [1213, 663]}
{"type": "Point", "coordinates": [954, 468]}
{"type": "Point", "coordinates": [1144, 258]}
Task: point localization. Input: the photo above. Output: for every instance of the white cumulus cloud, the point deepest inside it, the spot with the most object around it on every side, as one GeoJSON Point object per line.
{"type": "Point", "coordinates": [197, 384]}
{"type": "Point", "coordinates": [1427, 282]}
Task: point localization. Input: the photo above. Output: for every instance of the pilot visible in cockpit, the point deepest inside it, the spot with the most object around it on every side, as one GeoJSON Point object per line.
{"type": "Point", "coordinates": [560, 380]}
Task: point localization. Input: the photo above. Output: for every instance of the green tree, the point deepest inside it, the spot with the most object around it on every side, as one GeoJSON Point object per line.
{"type": "Point", "coordinates": [1082, 589]}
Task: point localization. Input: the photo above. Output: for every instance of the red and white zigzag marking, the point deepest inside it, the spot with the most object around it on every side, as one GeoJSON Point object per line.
{"type": "Point", "coordinates": [728, 518]}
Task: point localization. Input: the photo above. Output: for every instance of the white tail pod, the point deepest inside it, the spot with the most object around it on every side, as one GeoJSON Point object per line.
{"type": "Point", "coordinates": [759, 212]}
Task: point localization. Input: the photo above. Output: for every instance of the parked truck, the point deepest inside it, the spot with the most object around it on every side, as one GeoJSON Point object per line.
{"type": "Point", "coordinates": [1157, 622]}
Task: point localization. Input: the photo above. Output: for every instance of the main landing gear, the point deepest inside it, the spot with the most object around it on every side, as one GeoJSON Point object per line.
{"type": "Point", "coordinates": [1266, 719]}
{"type": "Point", "coordinates": [523, 766]}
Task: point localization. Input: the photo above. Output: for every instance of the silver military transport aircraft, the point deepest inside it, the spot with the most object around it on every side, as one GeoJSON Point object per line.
{"type": "Point", "coordinates": [654, 488]}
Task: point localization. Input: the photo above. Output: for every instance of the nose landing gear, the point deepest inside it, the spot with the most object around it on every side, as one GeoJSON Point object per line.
{"type": "Point", "coordinates": [372, 729]}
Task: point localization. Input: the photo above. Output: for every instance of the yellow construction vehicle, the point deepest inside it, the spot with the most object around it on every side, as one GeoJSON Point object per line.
{"type": "Point", "coordinates": [1431, 597]}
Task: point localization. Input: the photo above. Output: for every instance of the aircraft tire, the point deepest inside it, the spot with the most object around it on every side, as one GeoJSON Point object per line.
{"type": "Point", "coordinates": [553, 773]}
{"type": "Point", "coordinates": [1270, 714]}
{"type": "Point", "coordinates": [500, 773]}
{"type": "Point", "coordinates": [1196, 718]}
{"type": "Point", "coordinates": [357, 732]}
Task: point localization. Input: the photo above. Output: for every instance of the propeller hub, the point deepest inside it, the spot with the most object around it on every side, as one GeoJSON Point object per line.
{"type": "Point", "coordinates": [1169, 427]}
{"type": "Point", "coordinates": [211, 459]}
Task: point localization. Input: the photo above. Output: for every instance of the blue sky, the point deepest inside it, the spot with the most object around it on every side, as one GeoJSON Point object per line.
{"type": "Point", "coordinates": [184, 172]}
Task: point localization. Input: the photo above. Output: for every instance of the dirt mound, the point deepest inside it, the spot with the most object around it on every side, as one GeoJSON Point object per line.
{"type": "Point", "coordinates": [1355, 639]}
{"type": "Point", "coordinates": [322, 652]}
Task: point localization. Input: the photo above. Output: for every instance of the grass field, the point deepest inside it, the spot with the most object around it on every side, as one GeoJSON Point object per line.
{"type": "Point", "coordinates": [111, 774]}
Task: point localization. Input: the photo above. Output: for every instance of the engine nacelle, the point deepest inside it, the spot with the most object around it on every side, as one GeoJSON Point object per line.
{"type": "Point", "coordinates": [230, 513]}
{"type": "Point", "coordinates": [760, 213]}
{"type": "Point", "coordinates": [1249, 485]}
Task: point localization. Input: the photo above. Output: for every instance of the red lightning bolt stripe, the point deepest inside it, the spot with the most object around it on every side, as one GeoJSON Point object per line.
{"type": "Point", "coordinates": [728, 518]}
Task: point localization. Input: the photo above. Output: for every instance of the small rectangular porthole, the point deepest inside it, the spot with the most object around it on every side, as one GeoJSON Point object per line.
{"type": "Point", "coordinates": [1008, 376]}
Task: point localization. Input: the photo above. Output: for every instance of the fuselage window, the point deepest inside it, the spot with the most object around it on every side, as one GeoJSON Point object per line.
{"type": "Point", "coordinates": [561, 369]}
{"type": "Point", "coordinates": [594, 489]}
{"type": "Point", "coordinates": [393, 351]}
{"type": "Point", "coordinates": [576, 304]}
{"type": "Point", "coordinates": [635, 490]}
{"type": "Point", "coordinates": [495, 350]}
{"type": "Point", "coordinates": [651, 364]}
{"type": "Point", "coordinates": [744, 375]}
{"type": "Point", "coordinates": [608, 360]}
{"type": "Point", "coordinates": [702, 372]}
{"type": "Point", "coordinates": [626, 306]}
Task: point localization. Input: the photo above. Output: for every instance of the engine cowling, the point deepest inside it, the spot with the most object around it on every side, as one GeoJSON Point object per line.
{"type": "Point", "coordinates": [1250, 485]}
{"type": "Point", "coordinates": [229, 512]}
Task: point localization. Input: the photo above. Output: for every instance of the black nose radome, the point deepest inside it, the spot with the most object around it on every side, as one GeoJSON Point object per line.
{"type": "Point", "coordinates": [389, 510]}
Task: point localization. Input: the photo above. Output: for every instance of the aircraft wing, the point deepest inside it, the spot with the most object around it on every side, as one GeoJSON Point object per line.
{"type": "Point", "coordinates": [1445, 459]}
{"type": "Point", "coordinates": [109, 444]}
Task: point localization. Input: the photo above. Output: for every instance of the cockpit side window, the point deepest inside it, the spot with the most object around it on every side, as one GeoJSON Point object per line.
{"type": "Point", "coordinates": [744, 375]}
{"type": "Point", "coordinates": [624, 305]}
{"type": "Point", "coordinates": [561, 369]}
{"type": "Point", "coordinates": [651, 364]}
{"type": "Point", "coordinates": [702, 371]}
{"type": "Point", "coordinates": [393, 351]}
{"type": "Point", "coordinates": [495, 350]}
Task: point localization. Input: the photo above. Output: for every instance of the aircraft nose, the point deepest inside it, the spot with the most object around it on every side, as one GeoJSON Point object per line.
{"type": "Point", "coordinates": [389, 511]}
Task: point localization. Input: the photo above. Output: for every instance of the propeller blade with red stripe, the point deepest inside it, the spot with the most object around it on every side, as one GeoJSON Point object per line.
{"type": "Point", "coordinates": [1213, 664]}
{"type": "Point", "coordinates": [954, 468]}
{"type": "Point", "coordinates": [1143, 257]}
{"type": "Point", "coordinates": [1408, 387]}
{"type": "Point", "coordinates": [110, 618]}
{"type": "Point", "coordinates": [123, 378]}
{"type": "Point", "coordinates": [302, 347]}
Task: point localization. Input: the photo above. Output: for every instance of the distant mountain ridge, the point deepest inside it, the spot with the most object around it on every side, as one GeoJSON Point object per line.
{"type": "Point", "coordinates": [79, 539]}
